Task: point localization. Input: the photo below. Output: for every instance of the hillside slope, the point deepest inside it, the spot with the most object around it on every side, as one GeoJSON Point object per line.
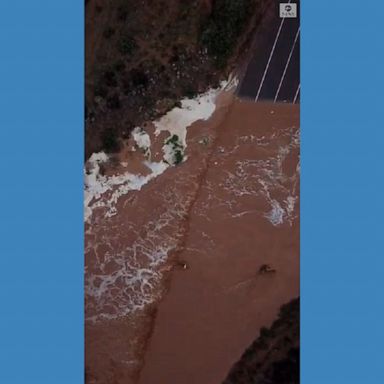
{"type": "Point", "coordinates": [274, 358]}
{"type": "Point", "coordinates": [142, 57]}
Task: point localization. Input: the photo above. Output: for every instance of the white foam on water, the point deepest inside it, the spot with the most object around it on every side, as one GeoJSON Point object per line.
{"type": "Point", "coordinates": [126, 279]}
{"type": "Point", "coordinates": [290, 202]}
{"type": "Point", "coordinates": [175, 122]}
{"type": "Point", "coordinates": [179, 119]}
{"type": "Point", "coordinates": [96, 185]}
{"type": "Point", "coordinates": [263, 177]}
{"type": "Point", "coordinates": [131, 182]}
{"type": "Point", "coordinates": [142, 140]}
{"type": "Point", "coordinates": [276, 214]}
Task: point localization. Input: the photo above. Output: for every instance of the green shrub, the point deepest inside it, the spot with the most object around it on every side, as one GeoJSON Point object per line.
{"type": "Point", "coordinates": [178, 157]}
{"type": "Point", "coordinates": [174, 140]}
{"type": "Point", "coordinates": [122, 13]}
{"type": "Point", "coordinates": [226, 23]}
{"type": "Point", "coordinates": [119, 66]}
{"type": "Point", "coordinates": [139, 78]}
{"type": "Point", "coordinates": [109, 140]}
{"type": "Point", "coordinates": [108, 32]}
{"type": "Point", "coordinates": [189, 91]}
{"type": "Point", "coordinates": [101, 90]}
{"type": "Point", "coordinates": [126, 45]}
{"type": "Point", "coordinates": [110, 79]}
{"type": "Point", "coordinates": [177, 147]}
{"type": "Point", "coordinates": [113, 101]}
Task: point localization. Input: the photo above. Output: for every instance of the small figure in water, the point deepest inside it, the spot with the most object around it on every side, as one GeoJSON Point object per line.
{"type": "Point", "coordinates": [176, 265]}
{"type": "Point", "coordinates": [266, 268]}
{"type": "Point", "coordinates": [181, 265]}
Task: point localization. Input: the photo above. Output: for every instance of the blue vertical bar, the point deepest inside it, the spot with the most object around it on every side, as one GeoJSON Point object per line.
{"type": "Point", "coordinates": [342, 208]}
{"type": "Point", "coordinates": [41, 218]}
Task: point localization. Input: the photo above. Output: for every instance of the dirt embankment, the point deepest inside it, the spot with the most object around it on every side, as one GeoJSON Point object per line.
{"type": "Point", "coordinates": [142, 57]}
{"type": "Point", "coordinates": [274, 357]}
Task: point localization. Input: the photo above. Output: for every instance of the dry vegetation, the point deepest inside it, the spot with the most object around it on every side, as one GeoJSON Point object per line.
{"type": "Point", "coordinates": [143, 56]}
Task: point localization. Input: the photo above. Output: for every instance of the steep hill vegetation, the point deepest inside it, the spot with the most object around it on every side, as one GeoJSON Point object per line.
{"type": "Point", "coordinates": [143, 56]}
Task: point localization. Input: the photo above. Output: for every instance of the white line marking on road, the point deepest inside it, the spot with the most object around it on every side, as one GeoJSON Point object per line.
{"type": "Point", "coordinates": [296, 94]}
{"type": "Point", "coordinates": [270, 58]}
{"type": "Point", "coordinates": [286, 65]}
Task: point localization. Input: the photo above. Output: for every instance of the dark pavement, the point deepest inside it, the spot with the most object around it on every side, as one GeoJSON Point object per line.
{"type": "Point", "coordinates": [273, 74]}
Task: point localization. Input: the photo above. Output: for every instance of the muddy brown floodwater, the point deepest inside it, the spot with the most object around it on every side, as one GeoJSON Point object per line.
{"type": "Point", "coordinates": [173, 293]}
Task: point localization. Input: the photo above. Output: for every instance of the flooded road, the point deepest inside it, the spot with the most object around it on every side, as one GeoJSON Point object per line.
{"type": "Point", "coordinates": [173, 293]}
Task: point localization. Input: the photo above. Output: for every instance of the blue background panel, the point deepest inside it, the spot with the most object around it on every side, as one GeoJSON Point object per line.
{"type": "Point", "coordinates": [342, 267]}
{"type": "Point", "coordinates": [41, 219]}
{"type": "Point", "coordinates": [41, 247]}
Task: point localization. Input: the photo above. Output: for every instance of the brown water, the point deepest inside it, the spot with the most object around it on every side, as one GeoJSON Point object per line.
{"type": "Point", "coordinates": [173, 293]}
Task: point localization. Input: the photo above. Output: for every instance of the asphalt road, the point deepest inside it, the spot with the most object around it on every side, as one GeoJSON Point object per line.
{"type": "Point", "coordinates": [273, 73]}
